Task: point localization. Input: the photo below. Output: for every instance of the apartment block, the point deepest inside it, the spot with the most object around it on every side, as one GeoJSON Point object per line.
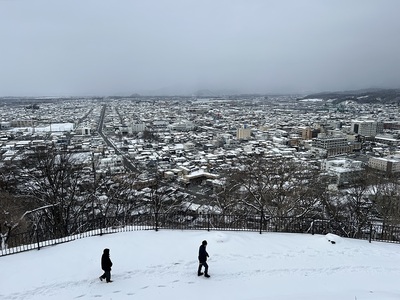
{"type": "Point", "coordinates": [243, 133]}
{"type": "Point", "coordinates": [367, 127]}
{"type": "Point", "coordinates": [333, 145]}
{"type": "Point", "coordinates": [345, 170]}
{"type": "Point", "coordinates": [390, 164]}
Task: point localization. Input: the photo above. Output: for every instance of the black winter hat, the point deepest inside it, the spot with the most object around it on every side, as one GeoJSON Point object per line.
{"type": "Point", "coordinates": [204, 242]}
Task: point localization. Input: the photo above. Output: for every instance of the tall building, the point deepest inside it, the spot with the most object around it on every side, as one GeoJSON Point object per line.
{"type": "Point", "coordinates": [367, 127]}
{"type": "Point", "coordinates": [309, 133]}
{"type": "Point", "coordinates": [243, 133]}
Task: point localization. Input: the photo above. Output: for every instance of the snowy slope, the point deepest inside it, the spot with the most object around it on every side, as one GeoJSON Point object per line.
{"type": "Point", "coordinates": [162, 265]}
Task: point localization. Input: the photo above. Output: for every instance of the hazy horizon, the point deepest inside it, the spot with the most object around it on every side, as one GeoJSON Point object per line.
{"type": "Point", "coordinates": [212, 93]}
{"type": "Point", "coordinates": [177, 47]}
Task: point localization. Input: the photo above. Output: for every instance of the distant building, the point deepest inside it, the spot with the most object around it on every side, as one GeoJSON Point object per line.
{"type": "Point", "coordinates": [243, 133]}
{"type": "Point", "coordinates": [387, 139]}
{"type": "Point", "coordinates": [309, 133]}
{"type": "Point", "coordinates": [182, 126]}
{"type": "Point", "coordinates": [189, 146]}
{"type": "Point", "coordinates": [112, 164]}
{"type": "Point", "coordinates": [389, 164]}
{"type": "Point", "coordinates": [85, 130]}
{"type": "Point", "coordinates": [345, 170]}
{"type": "Point", "coordinates": [367, 128]}
{"type": "Point", "coordinates": [333, 145]}
{"type": "Point", "coordinates": [138, 127]}
{"type": "Point", "coordinates": [23, 123]}
{"type": "Point", "coordinates": [5, 125]}
{"type": "Point", "coordinates": [160, 124]}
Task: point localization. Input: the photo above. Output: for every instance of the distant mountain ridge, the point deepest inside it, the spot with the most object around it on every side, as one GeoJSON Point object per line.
{"type": "Point", "coordinates": [373, 95]}
{"type": "Point", "coordinates": [176, 91]}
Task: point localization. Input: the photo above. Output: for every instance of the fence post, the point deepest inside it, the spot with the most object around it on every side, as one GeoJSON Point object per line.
{"type": "Point", "coordinates": [37, 238]}
{"type": "Point", "coordinates": [370, 232]}
{"type": "Point", "coordinates": [156, 220]}
{"type": "Point", "coordinates": [261, 221]}
{"type": "Point", "coordinates": [101, 225]}
{"type": "Point", "coordinates": [312, 227]}
{"type": "Point", "coordinates": [208, 222]}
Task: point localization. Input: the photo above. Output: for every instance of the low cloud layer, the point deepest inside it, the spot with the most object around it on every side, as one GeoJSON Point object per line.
{"type": "Point", "coordinates": [104, 47]}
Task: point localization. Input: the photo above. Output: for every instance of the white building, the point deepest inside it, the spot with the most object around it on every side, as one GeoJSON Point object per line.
{"type": "Point", "coordinates": [138, 127]}
{"type": "Point", "coordinates": [5, 125]}
{"type": "Point", "coordinates": [332, 145]}
{"type": "Point", "coordinates": [243, 133]}
{"type": "Point", "coordinates": [345, 170]}
{"type": "Point", "coordinates": [182, 126]}
{"type": "Point", "coordinates": [85, 130]}
{"type": "Point", "coordinates": [367, 127]}
{"type": "Point", "coordinates": [389, 164]}
{"type": "Point", "coordinates": [112, 164]}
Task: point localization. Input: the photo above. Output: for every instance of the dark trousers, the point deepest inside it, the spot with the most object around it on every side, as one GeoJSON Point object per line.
{"type": "Point", "coordinates": [201, 264]}
{"type": "Point", "coordinates": [106, 276]}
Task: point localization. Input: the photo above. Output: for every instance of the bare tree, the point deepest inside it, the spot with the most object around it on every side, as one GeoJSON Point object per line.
{"type": "Point", "coordinates": [115, 197]}
{"type": "Point", "coordinates": [386, 198]}
{"type": "Point", "coordinates": [9, 174]}
{"type": "Point", "coordinates": [331, 203]}
{"type": "Point", "coordinates": [12, 213]}
{"type": "Point", "coordinates": [278, 187]}
{"type": "Point", "coordinates": [225, 196]}
{"type": "Point", "coordinates": [159, 197]}
{"type": "Point", "coordinates": [358, 205]}
{"type": "Point", "coordinates": [52, 178]}
{"type": "Point", "coordinates": [255, 185]}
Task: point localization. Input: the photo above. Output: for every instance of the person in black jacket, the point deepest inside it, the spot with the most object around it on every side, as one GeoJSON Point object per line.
{"type": "Point", "coordinates": [203, 259]}
{"type": "Point", "coordinates": [106, 265]}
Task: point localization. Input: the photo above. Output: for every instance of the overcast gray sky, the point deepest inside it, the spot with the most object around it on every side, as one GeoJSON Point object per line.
{"type": "Point", "coordinates": [109, 47]}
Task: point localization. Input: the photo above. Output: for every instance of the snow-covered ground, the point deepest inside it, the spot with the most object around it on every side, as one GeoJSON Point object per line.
{"type": "Point", "coordinates": [243, 265]}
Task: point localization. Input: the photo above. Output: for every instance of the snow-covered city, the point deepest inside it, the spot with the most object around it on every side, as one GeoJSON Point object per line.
{"type": "Point", "coordinates": [200, 149]}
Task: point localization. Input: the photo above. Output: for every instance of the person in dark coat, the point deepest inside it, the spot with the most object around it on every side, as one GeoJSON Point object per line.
{"type": "Point", "coordinates": [203, 260]}
{"type": "Point", "coordinates": [106, 265]}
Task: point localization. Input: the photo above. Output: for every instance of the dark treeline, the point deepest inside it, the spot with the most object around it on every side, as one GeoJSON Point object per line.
{"type": "Point", "coordinates": [52, 189]}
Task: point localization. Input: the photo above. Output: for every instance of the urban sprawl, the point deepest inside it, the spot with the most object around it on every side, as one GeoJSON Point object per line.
{"type": "Point", "coordinates": [196, 145]}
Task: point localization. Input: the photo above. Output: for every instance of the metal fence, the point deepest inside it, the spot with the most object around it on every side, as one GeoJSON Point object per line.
{"type": "Point", "coordinates": [373, 230]}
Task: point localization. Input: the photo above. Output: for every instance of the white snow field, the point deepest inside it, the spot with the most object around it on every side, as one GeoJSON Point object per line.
{"type": "Point", "coordinates": [151, 265]}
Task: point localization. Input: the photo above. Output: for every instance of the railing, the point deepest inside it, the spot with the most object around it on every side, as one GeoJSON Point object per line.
{"type": "Point", "coordinates": [37, 238]}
